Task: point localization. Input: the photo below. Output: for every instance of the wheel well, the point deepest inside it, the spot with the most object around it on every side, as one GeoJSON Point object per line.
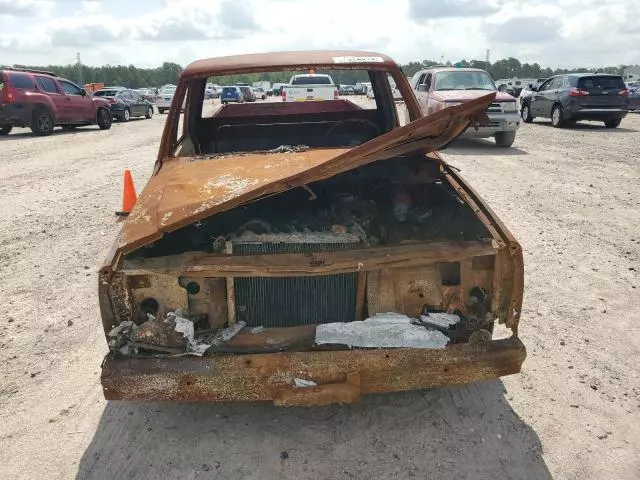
{"type": "Point", "coordinates": [41, 106]}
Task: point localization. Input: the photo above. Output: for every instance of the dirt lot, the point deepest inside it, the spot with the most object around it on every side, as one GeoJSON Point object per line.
{"type": "Point", "coordinates": [570, 196]}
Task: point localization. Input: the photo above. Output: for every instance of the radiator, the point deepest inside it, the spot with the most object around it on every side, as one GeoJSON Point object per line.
{"type": "Point", "coordinates": [291, 301]}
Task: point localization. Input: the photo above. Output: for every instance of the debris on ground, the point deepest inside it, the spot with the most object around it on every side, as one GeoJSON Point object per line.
{"type": "Point", "coordinates": [388, 330]}
{"type": "Point", "coordinates": [302, 383]}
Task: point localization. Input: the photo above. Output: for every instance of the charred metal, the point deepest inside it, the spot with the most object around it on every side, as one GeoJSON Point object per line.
{"type": "Point", "coordinates": [345, 269]}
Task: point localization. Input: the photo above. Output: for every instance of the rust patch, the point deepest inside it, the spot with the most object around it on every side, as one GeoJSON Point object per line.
{"type": "Point", "coordinates": [267, 376]}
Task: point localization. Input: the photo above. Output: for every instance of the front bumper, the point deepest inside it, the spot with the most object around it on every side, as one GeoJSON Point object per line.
{"type": "Point", "coordinates": [342, 375]}
{"type": "Point", "coordinates": [498, 122]}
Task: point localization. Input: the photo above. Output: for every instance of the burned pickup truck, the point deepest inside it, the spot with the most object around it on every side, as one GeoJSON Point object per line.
{"type": "Point", "coordinates": [307, 253]}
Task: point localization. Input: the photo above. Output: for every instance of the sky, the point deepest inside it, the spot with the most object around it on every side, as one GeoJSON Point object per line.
{"type": "Point", "coordinates": [145, 33]}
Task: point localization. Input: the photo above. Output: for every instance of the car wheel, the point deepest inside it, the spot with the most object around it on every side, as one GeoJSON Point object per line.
{"type": "Point", "coordinates": [69, 127]}
{"type": "Point", "coordinates": [505, 139]}
{"type": "Point", "coordinates": [126, 115]}
{"type": "Point", "coordinates": [6, 130]}
{"type": "Point", "coordinates": [104, 118]}
{"type": "Point", "coordinates": [525, 113]}
{"type": "Point", "coordinates": [161, 111]}
{"type": "Point", "coordinates": [149, 112]}
{"type": "Point", "coordinates": [556, 116]}
{"type": "Point", "coordinates": [613, 123]}
{"type": "Point", "coordinates": [41, 122]}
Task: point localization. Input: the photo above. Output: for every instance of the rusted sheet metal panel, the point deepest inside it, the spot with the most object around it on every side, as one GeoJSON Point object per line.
{"type": "Point", "coordinates": [182, 191]}
{"type": "Point", "coordinates": [314, 263]}
{"type": "Point", "coordinates": [276, 61]}
{"type": "Point", "coordinates": [271, 376]}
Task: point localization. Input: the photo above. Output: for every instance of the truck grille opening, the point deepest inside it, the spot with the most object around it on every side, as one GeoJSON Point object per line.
{"type": "Point", "coordinates": [291, 301]}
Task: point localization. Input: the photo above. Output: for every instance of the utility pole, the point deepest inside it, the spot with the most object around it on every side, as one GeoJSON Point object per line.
{"type": "Point", "coordinates": [79, 63]}
{"type": "Point", "coordinates": [488, 58]}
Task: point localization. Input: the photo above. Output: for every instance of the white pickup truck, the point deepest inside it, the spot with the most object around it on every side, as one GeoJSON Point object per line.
{"type": "Point", "coordinates": [309, 87]}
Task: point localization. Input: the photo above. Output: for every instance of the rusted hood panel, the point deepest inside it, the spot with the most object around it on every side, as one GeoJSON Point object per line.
{"type": "Point", "coordinates": [184, 191]}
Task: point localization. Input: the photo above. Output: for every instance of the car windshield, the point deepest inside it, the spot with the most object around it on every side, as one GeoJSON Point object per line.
{"type": "Point", "coordinates": [229, 90]}
{"type": "Point", "coordinates": [465, 80]}
{"type": "Point", "coordinates": [311, 80]}
{"type": "Point", "coordinates": [105, 93]}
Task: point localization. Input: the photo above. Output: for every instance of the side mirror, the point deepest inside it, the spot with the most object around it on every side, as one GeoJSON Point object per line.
{"type": "Point", "coordinates": [84, 92]}
{"type": "Point", "coordinates": [502, 88]}
{"type": "Point", "coordinates": [533, 88]}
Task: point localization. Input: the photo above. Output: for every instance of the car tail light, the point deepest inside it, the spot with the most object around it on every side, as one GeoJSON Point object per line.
{"type": "Point", "coordinates": [624, 93]}
{"type": "Point", "coordinates": [113, 101]}
{"type": "Point", "coordinates": [284, 95]}
{"type": "Point", "coordinates": [335, 94]}
{"type": "Point", "coordinates": [577, 92]}
{"type": "Point", "coordinates": [8, 93]}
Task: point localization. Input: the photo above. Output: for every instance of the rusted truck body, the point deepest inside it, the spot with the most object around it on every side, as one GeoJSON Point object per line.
{"type": "Point", "coordinates": [308, 253]}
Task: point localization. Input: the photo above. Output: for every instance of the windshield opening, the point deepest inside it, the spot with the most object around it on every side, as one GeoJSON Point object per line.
{"type": "Point", "coordinates": [465, 80]}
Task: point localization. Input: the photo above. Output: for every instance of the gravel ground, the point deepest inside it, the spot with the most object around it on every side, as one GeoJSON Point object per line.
{"type": "Point", "coordinates": [570, 197]}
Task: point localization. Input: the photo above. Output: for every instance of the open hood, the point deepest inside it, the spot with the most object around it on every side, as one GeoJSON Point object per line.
{"type": "Point", "coordinates": [185, 190]}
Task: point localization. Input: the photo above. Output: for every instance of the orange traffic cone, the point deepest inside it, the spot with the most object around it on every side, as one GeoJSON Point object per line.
{"type": "Point", "coordinates": [128, 194]}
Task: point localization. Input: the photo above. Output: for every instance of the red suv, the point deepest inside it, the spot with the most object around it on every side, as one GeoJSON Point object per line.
{"type": "Point", "coordinates": [42, 100]}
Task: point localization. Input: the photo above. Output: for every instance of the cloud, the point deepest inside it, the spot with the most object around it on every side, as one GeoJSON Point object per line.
{"type": "Point", "coordinates": [237, 15]}
{"type": "Point", "coordinates": [432, 9]}
{"type": "Point", "coordinates": [24, 8]}
{"type": "Point", "coordinates": [174, 30]}
{"type": "Point", "coordinates": [526, 29]}
{"type": "Point", "coordinates": [83, 36]}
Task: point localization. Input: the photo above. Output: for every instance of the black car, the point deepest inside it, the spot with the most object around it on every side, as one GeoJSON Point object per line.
{"type": "Point", "coordinates": [578, 96]}
{"type": "Point", "coordinates": [126, 103]}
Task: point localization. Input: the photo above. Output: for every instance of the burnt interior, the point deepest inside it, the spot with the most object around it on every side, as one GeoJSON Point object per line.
{"type": "Point", "coordinates": [247, 127]}
{"type": "Point", "coordinates": [389, 202]}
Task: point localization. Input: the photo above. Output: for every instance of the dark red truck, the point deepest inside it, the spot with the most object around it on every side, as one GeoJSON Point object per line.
{"type": "Point", "coordinates": [42, 100]}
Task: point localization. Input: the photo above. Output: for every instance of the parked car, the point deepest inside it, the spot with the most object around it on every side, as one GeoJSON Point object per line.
{"type": "Point", "coordinates": [578, 96]}
{"type": "Point", "coordinates": [634, 97]}
{"type": "Point", "coordinates": [42, 100]}
{"type": "Point", "coordinates": [126, 103]}
{"type": "Point", "coordinates": [247, 93]}
{"type": "Point", "coordinates": [164, 99]}
{"type": "Point", "coordinates": [231, 94]}
{"type": "Point", "coordinates": [227, 283]}
{"type": "Point", "coordinates": [148, 94]}
{"type": "Point", "coordinates": [360, 89]}
{"type": "Point", "coordinates": [346, 90]}
{"type": "Point", "coordinates": [442, 87]}
{"type": "Point", "coordinates": [309, 87]}
{"type": "Point", "coordinates": [526, 91]}
{"type": "Point", "coordinates": [259, 93]}
{"type": "Point", "coordinates": [211, 91]}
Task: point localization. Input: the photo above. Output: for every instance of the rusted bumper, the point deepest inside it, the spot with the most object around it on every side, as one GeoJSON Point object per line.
{"type": "Point", "coordinates": [342, 376]}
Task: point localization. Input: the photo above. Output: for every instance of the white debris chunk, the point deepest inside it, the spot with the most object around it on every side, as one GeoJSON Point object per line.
{"type": "Point", "coordinates": [440, 319]}
{"type": "Point", "coordinates": [228, 333]}
{"type": "Point", "coordinates": [185, 326]}
{"type": "Point", "coordinates": [302, 383]}
{"type": "Point", "coordinates": [389, 317]}
{"type": "Point", "coordinates": [256, 329]}
{"type": "Point", "coordinates": [388, 332]}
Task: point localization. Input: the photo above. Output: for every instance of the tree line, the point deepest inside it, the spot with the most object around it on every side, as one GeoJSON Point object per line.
{"type": "Point", "coordinates": [134, 77]}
